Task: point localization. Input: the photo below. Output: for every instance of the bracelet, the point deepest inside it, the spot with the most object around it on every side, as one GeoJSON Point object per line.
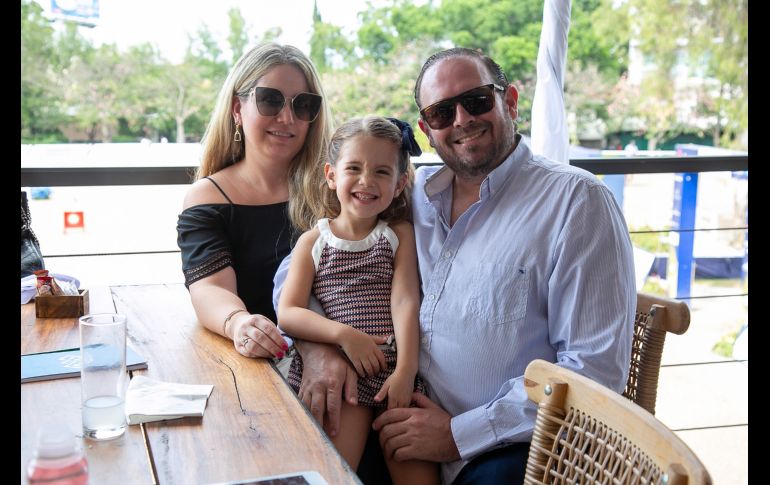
{"type": "Point", "coordinates": [227, 319]}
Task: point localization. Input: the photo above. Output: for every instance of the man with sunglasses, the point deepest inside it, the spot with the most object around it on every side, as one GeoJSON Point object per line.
{"type": "Point", "coordinates": [521, 258]}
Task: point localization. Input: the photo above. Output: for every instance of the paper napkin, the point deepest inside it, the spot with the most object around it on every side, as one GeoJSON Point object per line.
{"type": "Point", "coordinates": [150, 400]}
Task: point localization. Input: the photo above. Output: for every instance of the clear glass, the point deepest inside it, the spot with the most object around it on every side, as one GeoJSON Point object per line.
{"type": "Point", "coordinates": [103, 376]}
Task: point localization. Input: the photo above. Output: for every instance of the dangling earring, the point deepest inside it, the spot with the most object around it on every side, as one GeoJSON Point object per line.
{"type": "Point", "coordinates": [237, 135]}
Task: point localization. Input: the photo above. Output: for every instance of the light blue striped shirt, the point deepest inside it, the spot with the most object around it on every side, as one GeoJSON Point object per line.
{"type": "Point", "coordinates": [541, 267]}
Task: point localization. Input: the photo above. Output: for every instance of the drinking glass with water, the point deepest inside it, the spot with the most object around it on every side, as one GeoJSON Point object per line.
{"type": "Point", "coordinates": [103, 376]}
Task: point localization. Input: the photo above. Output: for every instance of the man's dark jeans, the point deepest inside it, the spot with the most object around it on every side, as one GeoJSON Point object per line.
{"type": "Point", "coordinates": [501, 465]}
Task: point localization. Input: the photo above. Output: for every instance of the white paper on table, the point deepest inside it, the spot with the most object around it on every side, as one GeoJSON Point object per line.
{"type": "Point", "coordinates": [150, 400]}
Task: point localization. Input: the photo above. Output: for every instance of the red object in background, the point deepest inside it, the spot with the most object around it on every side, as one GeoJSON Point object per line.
{"type": "Point", "coordinates": [74, 220]}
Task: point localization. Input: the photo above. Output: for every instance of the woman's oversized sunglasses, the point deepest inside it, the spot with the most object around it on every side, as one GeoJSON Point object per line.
{"type": "Point", "coordinates": [476, 101]}
{"type": "Point", "coordinates": [271, 101]}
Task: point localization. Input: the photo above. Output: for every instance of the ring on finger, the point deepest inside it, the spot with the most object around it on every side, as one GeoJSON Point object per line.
{"type": "Point", "coordinates": [245, 340]}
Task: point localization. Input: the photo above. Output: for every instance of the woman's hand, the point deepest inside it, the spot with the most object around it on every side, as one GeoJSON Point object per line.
{"type": "Point", "coordinates": [363, 352]}
{"type": "Point", "coordinates": [398, 388]}
{"type": "Point", "coordinates": [257, 336]}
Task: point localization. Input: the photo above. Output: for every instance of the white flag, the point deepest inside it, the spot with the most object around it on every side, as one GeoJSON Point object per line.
{"type": "Point", "coordinates": [550, 137]}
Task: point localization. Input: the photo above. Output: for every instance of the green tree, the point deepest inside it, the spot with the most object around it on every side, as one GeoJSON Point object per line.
{"type": "Point", "coordinates": [146, 92]}
{"type": "Point", "coordinates": [193, 84]}
{"type": "Point", "coordinates": [658, 27]}
{"type": "Point", "coordinates": [204, 49]}
{"type": "Point", "coordinates": [377, 37]}
{"type": "Point", "coordinates": [477, 24]}
{"type": "Point", "coordinates": [373, 88]}
{"type": "Point", "coordinates": [508, 30]}
{"type": "Point", "coordinates": [720, 49]}
{"type": "Point", "coordinates": [271, 34]}
{"type": "Point", "coordinates": [596, 60]}
{"type": "Point", "coordinates": [415, 22]}
{"type": "Point", "coordinates": [599, 34]}
{"type": "Point", "coordinates": [327, 43]}
{"type": "Point", "coordinates": [517, 55]}
{"type": "Point", "coordinates": [70, 86]}
{"type": "Point", "coordinates": [191, 92]}
{"type": "Point", "coordinates": [385, 30]}
{"type": "Point", "coordinates": [706, 43]}
{"type": "Point", "coordinates": [71, 45]}
{"type": "Point", "coordinates": [620, 106]}
{"type": "Point", "coordinates": [40, 107]}
{"type": "Point", "coordinates": [238, 37]}
{"type": "Point", "coordinates": [587, 94]}
{"type": "Point", "coordinates": [95, 92]}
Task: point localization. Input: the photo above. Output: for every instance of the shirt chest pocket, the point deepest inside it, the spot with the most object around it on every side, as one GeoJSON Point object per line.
{"type": "Point", "coordinates": [499, 293]}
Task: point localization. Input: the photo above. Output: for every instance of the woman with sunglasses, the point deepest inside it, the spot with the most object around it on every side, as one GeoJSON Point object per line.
{"type": "Point", "coordinates": [268, 130]}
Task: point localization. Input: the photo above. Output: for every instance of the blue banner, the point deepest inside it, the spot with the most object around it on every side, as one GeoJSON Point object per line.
{"type": "Point", "coordinates": [81, 11]}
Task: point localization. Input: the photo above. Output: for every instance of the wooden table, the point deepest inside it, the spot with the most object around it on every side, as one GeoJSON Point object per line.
{"type": "Point", "coordinates": [253, 425]}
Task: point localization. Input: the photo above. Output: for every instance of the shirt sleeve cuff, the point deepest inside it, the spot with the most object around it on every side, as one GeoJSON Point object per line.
{"type": "Point", "coordinates": [472, 432]}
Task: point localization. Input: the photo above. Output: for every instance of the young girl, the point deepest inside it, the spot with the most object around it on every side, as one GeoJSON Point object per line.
{"type": "Point", "coordinates": [361, 265]}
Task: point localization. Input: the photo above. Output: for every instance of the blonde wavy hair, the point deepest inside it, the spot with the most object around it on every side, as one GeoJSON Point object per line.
{"type": "Point", "coordinates": [376, 126]}
{"type": "Point", "coordinates": [221, 151]}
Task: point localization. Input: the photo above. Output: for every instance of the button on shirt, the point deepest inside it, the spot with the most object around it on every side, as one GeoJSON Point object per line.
{"type": "Point", "coordinates": [540, 267]}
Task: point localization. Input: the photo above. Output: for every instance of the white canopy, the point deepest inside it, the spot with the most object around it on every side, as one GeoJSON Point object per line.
{"type": "Point", "coordinates": [550, 136]}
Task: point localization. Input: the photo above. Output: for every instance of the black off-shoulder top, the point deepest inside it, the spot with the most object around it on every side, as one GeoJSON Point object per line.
{"type": "Point", "coordinates": [252, 239]}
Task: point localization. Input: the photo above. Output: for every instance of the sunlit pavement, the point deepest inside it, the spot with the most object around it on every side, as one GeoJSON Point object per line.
{"type": "Point", "coordinates": [708, 395]}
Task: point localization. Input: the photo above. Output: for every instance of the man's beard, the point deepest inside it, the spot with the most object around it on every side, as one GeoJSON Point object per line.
{"type": "Point", "coordinates": [494, 154]}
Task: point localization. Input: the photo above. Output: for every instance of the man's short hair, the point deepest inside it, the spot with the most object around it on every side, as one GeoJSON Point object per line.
{"type": "Point", "coordinates": [492, 67]}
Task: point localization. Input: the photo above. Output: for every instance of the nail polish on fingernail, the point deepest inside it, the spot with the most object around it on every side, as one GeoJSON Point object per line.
{"type": "Point", "coordinates": [285, 346]}
{"type": "Point", "coordinates": [279, 355]}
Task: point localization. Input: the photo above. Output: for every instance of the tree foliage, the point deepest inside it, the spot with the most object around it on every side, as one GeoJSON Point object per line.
{"type": "Point", "coordinates": [507, 30]}
{"type": "Point", "coordinates": [40, 110]}
{"type": "Point", "coordinates": [699, 50]}
{"type": "Point", "coordinates": [72, 90]}
{"type": "Point", "coordinates": [238, 38]}
{"type": "Point", "coordinates": [327, 44]}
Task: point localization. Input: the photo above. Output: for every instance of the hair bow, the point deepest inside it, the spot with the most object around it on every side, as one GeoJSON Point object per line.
{"type": "Point", "coordinates": [408, 142]}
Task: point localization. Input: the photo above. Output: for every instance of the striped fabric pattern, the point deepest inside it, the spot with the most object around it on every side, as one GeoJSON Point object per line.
{"type": "Point", "coordinates": [354, 288]}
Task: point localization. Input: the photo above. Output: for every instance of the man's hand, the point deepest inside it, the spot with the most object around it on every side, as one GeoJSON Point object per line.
{"type": "Point", "coordinates": [420, 433]}
{"type": "Point", "coordinates": [326, 374]}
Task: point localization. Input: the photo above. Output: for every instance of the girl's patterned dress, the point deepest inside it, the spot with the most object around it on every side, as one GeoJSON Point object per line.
{"type": "Point", "coordinates": [353, 285]}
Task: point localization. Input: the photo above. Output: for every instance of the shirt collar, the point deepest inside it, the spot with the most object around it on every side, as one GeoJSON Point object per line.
{"type": "Point", "coordinates": [442, 179]}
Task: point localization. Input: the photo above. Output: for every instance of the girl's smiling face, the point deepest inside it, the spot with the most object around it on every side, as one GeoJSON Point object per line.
{"type": "Point", "coordinates": [366, 177]}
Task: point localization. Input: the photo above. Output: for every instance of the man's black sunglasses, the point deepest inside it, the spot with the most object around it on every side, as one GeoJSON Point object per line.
{"type": "Point", "coordinates": [476, 101]}
{"type": "Point", "coordinates": [271, 101]}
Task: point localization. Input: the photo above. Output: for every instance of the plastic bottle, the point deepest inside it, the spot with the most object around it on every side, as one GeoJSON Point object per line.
{"type": "Point", "coordinates": [58, 460]}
